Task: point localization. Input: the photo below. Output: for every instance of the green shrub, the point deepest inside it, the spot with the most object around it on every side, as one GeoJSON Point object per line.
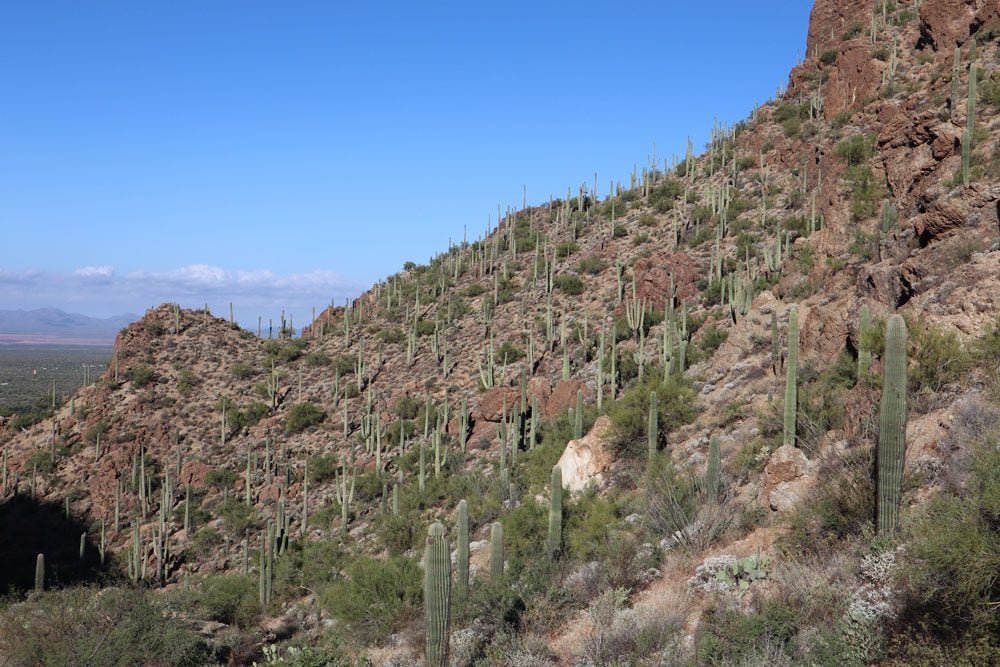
{"type": "Point", "coordinates": [286, 351]}
{"type": "Point", "coordinates": [302, 416]}
{"type": "Point", "coordinates": [675, 407]}
{"type": "Point", "coordinates": [566, 248]}
{"type": "Point", "coordinates": [828, 57]}
{"type": "Point", "coordinates": [318, 358]}
{"type": "Point", "coordinates": [141, 375]}
{"type": "Point", "coordinates": [238, 419]}
{"type": "Point", "coordinates": [224, 478]}
{"type": "Point", "coordinates": [230, 599]}
{"type": "Point", "coordinates": [855, 150]}
{"type": "Point", "coordinates": [508, 353]}
{"type": "Point", "coordinates": [938, 357]}
{"type": "Point", "coordinates": [376, 597]}
{"type": "Point", "coordinates": [570, 284]}
{"type": "Point", "coordinates": [711, 338]}
{"type": "Point", "coordinates": [592, 265]}
{"type": "Point", "coordinates": [238, 516]}
{"type": "Point", "coordinates": [87, 626]}
{"type": "Point", "coordinates": [243, 371]}
{"type": "Point", "coordinates": [728, 637]}
{"type": "Point", "coordinates": [587, 526]}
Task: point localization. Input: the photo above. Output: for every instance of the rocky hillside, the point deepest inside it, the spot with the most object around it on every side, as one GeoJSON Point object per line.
{"type": "Point", "coordinates": [690, 353]}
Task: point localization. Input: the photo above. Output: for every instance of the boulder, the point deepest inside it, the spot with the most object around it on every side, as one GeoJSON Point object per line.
{"type": "Point", "coordinates": [585, 461]}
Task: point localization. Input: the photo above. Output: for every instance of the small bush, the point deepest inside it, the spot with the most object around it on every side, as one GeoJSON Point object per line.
{"type": "Point", "coordinates": [303, 416]}
{"type": "Point", "coordinates": [376, 597]}
{"type": "Point", "coordinates": [566, 248]}
{"type": "Point", "coordinates": [570, 284]}
{"type": "Point", "coordinates": [592, 265]}
{"type": "Point", "coordinates": [629, 414]}
{"type": "Point", "coordinates": [230, 599]}
{"type": "Point", "coordinates": [141, 375]}
{"type": "Point", "coordinates": [224, 478]}
{"type": "Point", "coordinates": [855, 150]}
{"type": "Point", "coordinates": [318, 358]}
{"type": "Point", "coordinates": [828, 57]}
{"type": "Point", "coordinates": [243, 371]}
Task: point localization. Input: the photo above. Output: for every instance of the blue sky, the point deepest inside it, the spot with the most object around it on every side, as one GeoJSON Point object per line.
{"type": "Point", "coordinates": [281, 155]}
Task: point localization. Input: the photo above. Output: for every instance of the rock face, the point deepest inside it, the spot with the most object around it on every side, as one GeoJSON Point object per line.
{"type": "Point", "coordinates": [585, 461]}
{"type": "Point", "coordinates": [787, 479]}
{"type": "Point", "coordinates": [652, 275]}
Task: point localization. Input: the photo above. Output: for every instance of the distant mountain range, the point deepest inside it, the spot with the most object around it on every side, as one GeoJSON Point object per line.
{"type": "Point", "coordinates": [51, 325]}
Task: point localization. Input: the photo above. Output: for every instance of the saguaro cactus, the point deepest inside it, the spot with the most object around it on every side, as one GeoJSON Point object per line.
{"type": "Point", "coordinates": [462, 562]}
{"type": "Point", "coordinates": [652, 427]}
{"type": "Point", "coordinates": [864, 333]}
{"type": "Point", "coordinates": [496, 552]}
{"type": "Point", "coordinates": [555, 513]}
{"type": "Point", "coordinates": [40, 573]}
{"type": "Point", "coordinates": [791, 376]}
{"type": "Point", "coordinates": [714, 468]}
{"type": "Point", "coordinates": [437, 596]}
{"type": "Point", "coordinates": [892, 426]}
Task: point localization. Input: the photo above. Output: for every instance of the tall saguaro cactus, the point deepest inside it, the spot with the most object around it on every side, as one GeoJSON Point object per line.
{"type": "Point", "coordinates": [652, 427]}
{"type": "Point", "coordinates": [462, 548]}
{"type": "Point", "coordinates": [714, 471]}
{"type": "Point", "coordinates": [892, 426]}
{"type": "Point", "coordinates": [791, 376]}
{"type": "Point", "coordinates": [555, 513]}
{"type": "Point", "coordinates": [496, 552]}
{"type": "Point", "coordinates": [437, 596]}
{"type": "Point", "coordinates": [40, 573]}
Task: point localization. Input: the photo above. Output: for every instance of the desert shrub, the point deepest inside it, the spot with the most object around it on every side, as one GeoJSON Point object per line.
{"type": "Point", "coordinates": [728, 637]}
{"type": "Point", "coordinates": [587, 525]}
{"type": "Point", "coordinates": [238, 516]}
{"type": "Point", "coordinates": [224, 477]}
{"type": "Point", "coordinates": [238, 419]}
{"type": "Point", "coordinates": [318, 358]}
{"type": "Point", "coordinates": [592, 265]}
{"type": "Point", "coordinates": [243, 371]}
{"type": "Point", "coordinates": [711, 338]}
{"type": "Point", "coordinates": [344, 364]}
{"type": "Point", "coordinates": [828, 57]}
{"type": "Point", "coordinates": [508, 353]}
{"type": "Point", "coordinates": [86, 626]}
{"type": "Point", "coordinates": [855, 150]}
{"type": "Point", "coordinates": [629, 414]}
{"type": "Point", "coordinates": [302, 416]}
{"type": "Point", "coordinates": [376, 597]}
{"type": "Point", "coordinates": [230, 599]}
{"type": "Point", "coordinates": [938, 357]}
{"type": "Point", "coordinates": [308, 565]}
{"type": "Point", "coordinates": [286, 351]}
{"type": "Point", "coordinates": [662, 197]}
{"type": "Point", "coordinates": [570, 284]}
{"type": "Point", "coordinates": [954, 555]}
{"type": "Point", "coordinates": [566, 248]}
{"type": "Point", "coordinates": [841, 506]}
{"type": "Point", "coordinates": [141, 375]}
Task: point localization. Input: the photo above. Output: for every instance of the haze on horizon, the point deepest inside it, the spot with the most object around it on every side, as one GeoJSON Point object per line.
{"type": "Point", "coordinates": [286, 159]}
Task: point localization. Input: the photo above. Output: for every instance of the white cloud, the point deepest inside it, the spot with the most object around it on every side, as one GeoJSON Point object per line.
{"type": "Point", "coordinates": [102, 273]}
{"type": "Point", "coordinates": [101, 290]}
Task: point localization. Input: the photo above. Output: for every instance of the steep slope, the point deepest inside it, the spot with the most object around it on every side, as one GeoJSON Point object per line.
{"type": "Point", "coordinates": [849, 190]}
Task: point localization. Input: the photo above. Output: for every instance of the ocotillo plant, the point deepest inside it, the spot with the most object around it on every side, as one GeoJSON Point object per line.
{"type": "Point", "coordinates": [652, 426]}
{"type": "Point", "coordinates": [462, 549]}
{"type": "Point", "coordinates": [791, 376]}
{"type": "Point", "coordinates": [892, 426]}
{"type": "Point", "coordinates": [496, 552]}
{"type": "Point", "coordinates": [555, 513]}
{"type": "Point", "coordinates": [437, 596]}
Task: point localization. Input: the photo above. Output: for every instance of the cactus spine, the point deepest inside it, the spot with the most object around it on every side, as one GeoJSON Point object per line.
{"type": "Point", "coordinates": [496, 552]}
{"type": "Point", "coordinates": [791, 373]}
{"type": "Point", "coordinates": [892, 426]}
{"type": "Point", "coordinates": [437, 596]}
{"type": "Point", "coordinates": [462, 561]}
{"type": "Point", "coordinates": [555, 513]}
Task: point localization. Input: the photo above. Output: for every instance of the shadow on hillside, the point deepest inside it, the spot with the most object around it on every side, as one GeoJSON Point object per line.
{"type": "Point", "coordinates": [29, 527]}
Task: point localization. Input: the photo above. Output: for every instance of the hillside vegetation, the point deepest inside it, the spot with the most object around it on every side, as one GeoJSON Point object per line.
{"type": "Point", "coordinates": [740, 409]}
